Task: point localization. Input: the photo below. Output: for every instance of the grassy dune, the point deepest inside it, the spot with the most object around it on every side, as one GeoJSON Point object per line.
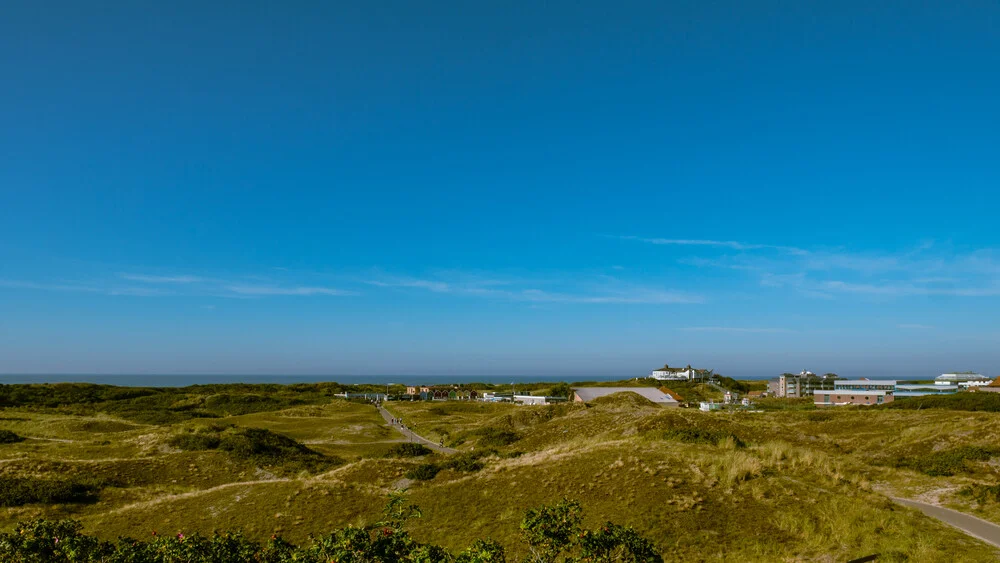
{"type": "Point", "coordinates": [785, 485]}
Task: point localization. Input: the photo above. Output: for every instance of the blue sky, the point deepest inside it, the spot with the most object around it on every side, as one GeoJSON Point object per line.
{"type": "Point", "coordinates": [481, 188]}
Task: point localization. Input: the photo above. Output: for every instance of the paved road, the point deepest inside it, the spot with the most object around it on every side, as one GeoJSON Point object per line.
{"type": "Point", "coordinates": [975, 527]}
{"type": "Point", "coordinates": [410, 435]}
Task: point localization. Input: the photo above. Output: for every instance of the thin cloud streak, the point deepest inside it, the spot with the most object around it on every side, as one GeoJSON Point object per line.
{"type": "Point", "coordinates": [924, 270]}
{"type": "Point", "coordinates": [488, 288]}
{"type": "Point", "coordinates": [263, 290]}
{"type": "Point", "coordinates": [754, 330]}
{"type": "Point", "coordinates": [162, 279]}
{"type": "Point", "coordinates": [735, 245]}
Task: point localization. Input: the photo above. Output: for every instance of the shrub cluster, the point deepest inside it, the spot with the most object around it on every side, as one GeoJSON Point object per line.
{"type": "Point", "coordinates": [468, 462]}
{"type": "Point", "coordinates": [986, 402]}
{"type": "Point", "coordinates": [492, 437]}
{"type": "Point", "coordinates": [948, 462]}
{"type": "Point", "coordinates": [408, 449]}
{"type": "Point", "coordinates": [981, 493]}
{"type": "Point", "coordinates": [695, 435]}
{"type": "Point", "coordinates": [18, 491]}
{"type": "Point", "coordinates": [257, 445]}
{"type": "Point", "coordinates": [8, 437]}
{"type": "Point", "coordinates": [552, 532]}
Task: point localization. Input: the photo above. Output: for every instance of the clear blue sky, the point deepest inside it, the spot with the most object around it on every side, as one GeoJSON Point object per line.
{"type": "Point", "coordinates": [499, 187]}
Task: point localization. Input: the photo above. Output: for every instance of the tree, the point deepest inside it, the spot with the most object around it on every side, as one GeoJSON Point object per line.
{"type": "Point", "coordinates": [561, 389]}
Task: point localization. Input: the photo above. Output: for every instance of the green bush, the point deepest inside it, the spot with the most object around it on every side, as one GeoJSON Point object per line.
{"type": "Point", "coordinates": [948, 462]}
{"type": "Point", "coordinates": [195, 441]}
{"type": "Point", "coordinates": [8, 437]}
{"type": "Point", "coordinates": [702, 436]}
{"type": "Point", "coordinates": [408, 449]}
{"type": "Point", "coordinates": [424, 472]}
{"type": "Point", "coordinates": [491, 437]}
{"type": "Point", "coordinates": [981, 493]}
{"type": "Point", "coordinates": [18, 491]}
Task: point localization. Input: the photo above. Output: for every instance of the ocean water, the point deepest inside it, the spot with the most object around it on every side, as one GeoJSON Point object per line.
{"type": "Point", "coordinates": [183, 380]}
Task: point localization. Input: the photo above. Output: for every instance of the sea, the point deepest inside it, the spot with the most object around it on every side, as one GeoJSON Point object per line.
{"type": "Point", "coordinates": [184, 380]}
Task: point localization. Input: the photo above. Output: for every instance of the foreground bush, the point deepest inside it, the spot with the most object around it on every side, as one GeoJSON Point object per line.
{"type": "Point", "coordinates": [553, 534]}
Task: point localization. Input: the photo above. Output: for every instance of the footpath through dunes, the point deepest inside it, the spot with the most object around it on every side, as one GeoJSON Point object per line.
{"type": "Point", "coordinates": [411, 435]}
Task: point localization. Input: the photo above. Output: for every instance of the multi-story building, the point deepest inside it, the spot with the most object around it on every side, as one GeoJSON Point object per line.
{"type": "Point", "coordinates": [834, 397]}
{"type": "Point", "coordinates": [856, 392]}
{"type": "Point", "coordinates": [796, 385]}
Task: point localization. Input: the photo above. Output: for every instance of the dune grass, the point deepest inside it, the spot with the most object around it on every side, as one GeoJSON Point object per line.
{"type": "Point", "coordinates": [783, 485]}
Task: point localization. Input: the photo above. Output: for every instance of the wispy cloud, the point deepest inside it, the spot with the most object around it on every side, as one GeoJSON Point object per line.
{"type": "Point", "coordinates": [162, 279]}
{"type": "Point", "coordinates": [592, 290]}
{"type": "Point", "coordinates": [734, 329]}
{"type": "Point", "coordinates": [85, 288]}
{"type": "Point", "coordinates": [430, 285]}
{"type": "Point", "coordinates": [731, 244]}
{"type": "Point", "coordinates": [628, 297]}
{"type": "Point", "coordinates": [262, 290]}
{"type": "Point", "coordinates": [924, 270]}
{"type": "Point", "coordinates": [20, 284]}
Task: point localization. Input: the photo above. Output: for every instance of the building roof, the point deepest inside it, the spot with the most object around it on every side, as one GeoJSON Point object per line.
{"type": "Point", "coordinates": [961, 376]}
{"type": "Point", "coordinates": [865, 382]}
{"type": "Point", "coordinates": [849, 392]}
{"type": "Point", "coordinates": [588, 394]}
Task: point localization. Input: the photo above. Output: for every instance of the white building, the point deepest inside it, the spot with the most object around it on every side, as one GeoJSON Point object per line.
{"type": "Point", "coordinates": [530, 400]}
{"type": "Point", "coordinates": [667, 373]}
{"type": "Point", "coordinates": [961, 377]}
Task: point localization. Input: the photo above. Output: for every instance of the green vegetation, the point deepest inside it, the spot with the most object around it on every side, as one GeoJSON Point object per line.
{"type": "Point", "coordinates": [702, 436]}
{"type": "Point", "coordinates": [408, 449]}
{"type": "Point", "coordinates": [258, 445]}
{"type": "Point", "coordinates": [561, 389]}
{"type": "Point", "coordinates": [790, 483]}
{"type": "Point", "coordinates": [949, 462]}
{"type": "Point", "coordinates": [981, 493]}
{"type": "Point", "coordinates": [8, 437]}
{"type": "Point", "coordinates": [491, 437]}
{"type": "Point", "coordinates": [18, 491]}
{"type": "Point", "coordinates": [986, 402]}
{"type": "Point", "coordinates": [556, 531]}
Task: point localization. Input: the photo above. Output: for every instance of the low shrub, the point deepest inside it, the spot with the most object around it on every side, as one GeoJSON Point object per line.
{"type": "Point", "coordinates": [702, 436]}
{"type": "Point", "coordinates": [8, 437]}
{"type": "Point", "coordinates": [491, 437]}
{"type": "Point", "coordinates": [981, 401]}
{"type": "Point", "coordinates": [18, 491]}
{"type": "Point", "coordinates": [195, 441]}
{"type": "Point", "coordinates": [948, 462]}
{"type": "Point", "coordinates": [408, 449]}
{"type": "Point", "coordinates": [424, 472]}
{"type": "Point", "coordinates": [981, 493]}
{"type": "Point", "coordinates": [468, 462]}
